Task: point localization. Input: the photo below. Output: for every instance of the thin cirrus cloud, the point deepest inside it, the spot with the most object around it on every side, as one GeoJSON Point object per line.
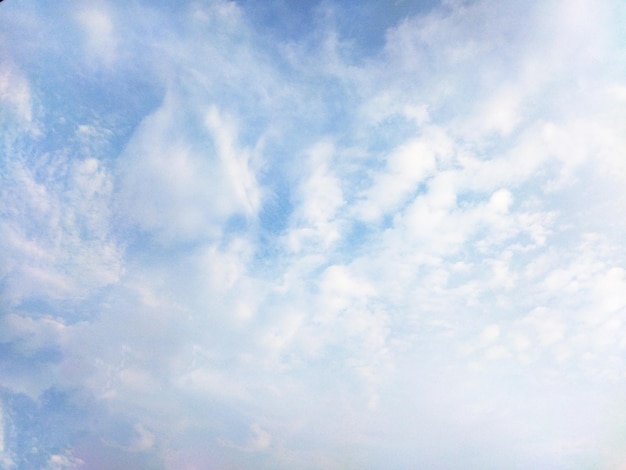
{"type": "Point", "coordinates": [235, 236]}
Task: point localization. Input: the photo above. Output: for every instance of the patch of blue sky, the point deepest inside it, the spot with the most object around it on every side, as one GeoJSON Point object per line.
{"type": "Point", "coordinates": [364, 27]}
{"type": "Point", "coordinates": [37, 361]}
{"type": "Point", "coordinates": [44, 432]}
{"type": "Point", "coordinates": [276, 208]}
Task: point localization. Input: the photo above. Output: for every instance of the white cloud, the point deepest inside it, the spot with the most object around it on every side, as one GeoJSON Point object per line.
{"type": "Point", "coordinates": [56, 230]}
{"type": "Point", "coordinates": [406, 168]}
{"type": "Point", "coordinates": [501, 112]}
{"type": "Point", "coordinates": [177, 189]}
{"type": "Point", "coordinates": [64, 462]}
{"type": "Point", "coordinates": [235, 161]}
{"type": "Point", "coordinates": [319, 198]}
{"type": "Point", "coordinates": [15, 92]}
{"type": "Point", "coordinates": [445, 260]}
{"type": "Point", "coordinates": [32, 333]}
{"type": "Point", "coordinates": [101, 36]}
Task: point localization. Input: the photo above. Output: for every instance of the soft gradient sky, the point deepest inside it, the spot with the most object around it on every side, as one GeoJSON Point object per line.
{"type": "Point", "coordinates": [313, 234]}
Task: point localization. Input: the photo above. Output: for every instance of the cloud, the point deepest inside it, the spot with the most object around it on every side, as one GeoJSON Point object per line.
{"type": "Point", "coordinates": [406, 168]}
{"type": "Point", "coordinates": [319, 198]}
{"type": "Point", "coordinates": [15, 92]}
{"type": "Point", "coordinates": [101, 35]}
{"type": "Point", "coordinates": [237, 248]}
{"type": "Point", "coordinates": [52, 227]}
{"type": "Point", "coordinates": [177, 189]}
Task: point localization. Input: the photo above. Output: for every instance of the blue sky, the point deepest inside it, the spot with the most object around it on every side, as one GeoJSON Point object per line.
{"type": "Point", "coordinates": [312, 234]}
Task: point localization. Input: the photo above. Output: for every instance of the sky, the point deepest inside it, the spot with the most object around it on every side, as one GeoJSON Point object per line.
{"type": "Point", "coordinates": [312, 234]}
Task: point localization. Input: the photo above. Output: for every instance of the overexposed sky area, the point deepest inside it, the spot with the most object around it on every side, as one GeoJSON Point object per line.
{"type": "Point", "coordinates": [313, 234]}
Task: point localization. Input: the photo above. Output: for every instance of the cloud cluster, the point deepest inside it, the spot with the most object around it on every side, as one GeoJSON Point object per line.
{"type": "Point", "coordinates": [221, 247]}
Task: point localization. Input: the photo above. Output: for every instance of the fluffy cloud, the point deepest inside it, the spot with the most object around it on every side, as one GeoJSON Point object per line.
{"type": "Point", "coordinates": [177, 189]}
